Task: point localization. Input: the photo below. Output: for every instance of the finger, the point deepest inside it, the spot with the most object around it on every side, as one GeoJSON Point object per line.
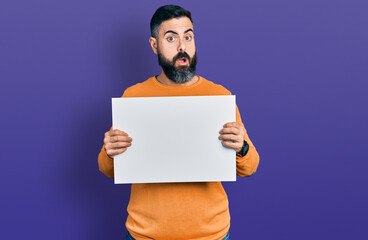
{"type": "Point", "coordinates": [231, 137]}
{"type": "Point", "coordinates": [119, 145]}
{"type": "Point", "coordinates": [230, 144]}
{"type": "Point", "coordinates": [113, 152]}
{"type": "Point", "coordinates": [115, 132]}
{"type": "Point", "coordinates": [231, 130]}
{"type": "Point", "coordinates": [230, 124]}
{"type": "Point", "coordinates": [119, 138]}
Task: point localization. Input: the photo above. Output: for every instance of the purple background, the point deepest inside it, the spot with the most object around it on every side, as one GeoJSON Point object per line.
{"type": "Point", "coordinates": [298, 68]}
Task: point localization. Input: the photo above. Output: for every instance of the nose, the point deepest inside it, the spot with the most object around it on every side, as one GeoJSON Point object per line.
{"type": "Point", "coordinates": [181, 46]}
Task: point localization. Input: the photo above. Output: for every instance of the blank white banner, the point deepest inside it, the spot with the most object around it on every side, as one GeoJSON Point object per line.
{"type": "Point", "coordinates": [175, 139]}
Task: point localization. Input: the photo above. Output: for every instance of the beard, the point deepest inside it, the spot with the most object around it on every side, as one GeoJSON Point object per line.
{"type": "Point", "coordinates": [181, 74]}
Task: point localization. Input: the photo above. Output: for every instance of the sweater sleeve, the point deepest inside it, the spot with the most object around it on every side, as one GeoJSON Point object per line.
{"type": "Point", "coordinates": [246, 166]}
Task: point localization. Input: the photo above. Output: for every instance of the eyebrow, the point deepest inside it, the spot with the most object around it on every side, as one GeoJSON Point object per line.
{"type": "Point", "coordinates": [170, 31]}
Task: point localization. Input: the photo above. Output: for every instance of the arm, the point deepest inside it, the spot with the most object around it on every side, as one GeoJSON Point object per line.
{"type": "Point", "coordinates": [106, 163]}
{"type": "Point", "coordinates": [247, 165]}
{"type": "Point", "coordinates": [115, 142]}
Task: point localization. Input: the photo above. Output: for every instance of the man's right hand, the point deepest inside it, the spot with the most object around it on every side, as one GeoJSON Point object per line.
{"type": "Point", "coordinates": [116, 142]}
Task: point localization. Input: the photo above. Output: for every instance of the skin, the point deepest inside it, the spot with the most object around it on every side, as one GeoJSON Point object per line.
{"type": "Point", "coordinates": [174, 35]}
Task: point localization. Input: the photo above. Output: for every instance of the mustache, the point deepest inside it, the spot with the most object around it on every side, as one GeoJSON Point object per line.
{"type": "Point", "coordinates": [181, 55]}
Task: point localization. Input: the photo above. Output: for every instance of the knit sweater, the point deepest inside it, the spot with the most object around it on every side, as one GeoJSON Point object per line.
{"type": "Point", "coordinates": [190, 210]}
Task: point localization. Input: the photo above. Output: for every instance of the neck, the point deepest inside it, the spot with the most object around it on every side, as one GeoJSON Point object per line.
{"type": "Point", "coordinates": [162, 78]}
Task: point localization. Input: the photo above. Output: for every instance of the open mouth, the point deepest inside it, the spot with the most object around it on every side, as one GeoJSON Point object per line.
{"type": "Point", "coordinates": [182, 61]}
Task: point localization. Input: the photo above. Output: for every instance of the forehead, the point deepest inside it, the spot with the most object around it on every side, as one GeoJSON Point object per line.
{"type": "Point", "coordinates": [178, 25]}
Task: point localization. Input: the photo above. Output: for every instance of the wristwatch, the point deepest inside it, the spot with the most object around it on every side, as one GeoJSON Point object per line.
{"type": "Point", "coordinates": [244, 150]}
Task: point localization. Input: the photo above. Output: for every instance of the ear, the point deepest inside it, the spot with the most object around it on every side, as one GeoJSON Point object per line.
{"type": "Point", "coordinates": [153, 42]}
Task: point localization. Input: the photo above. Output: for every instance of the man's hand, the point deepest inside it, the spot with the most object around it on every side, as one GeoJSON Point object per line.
{"type": "Point", "coordinates": [234, 133]}
{"type": "Point", "coordinates": [116, 142]}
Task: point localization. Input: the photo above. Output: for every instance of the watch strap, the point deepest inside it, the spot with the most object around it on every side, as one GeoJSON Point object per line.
{"type": "Point", "coordinates": [244, 150]}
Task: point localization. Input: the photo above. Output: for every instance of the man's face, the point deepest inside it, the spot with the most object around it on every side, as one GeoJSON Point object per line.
{"type": "Point", "coordinates": [176, 49]}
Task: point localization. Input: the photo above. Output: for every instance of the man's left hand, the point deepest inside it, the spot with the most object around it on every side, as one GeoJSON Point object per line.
{"type": "Point", "coordinates": [233, 133]}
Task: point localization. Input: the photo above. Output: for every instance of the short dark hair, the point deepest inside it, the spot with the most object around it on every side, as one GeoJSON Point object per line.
{"type": "Point", "coordinates": [164, 13]}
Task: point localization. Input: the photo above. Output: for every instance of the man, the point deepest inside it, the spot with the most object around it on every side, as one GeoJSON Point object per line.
{"type": "Point", "coordinates": [194, 210]}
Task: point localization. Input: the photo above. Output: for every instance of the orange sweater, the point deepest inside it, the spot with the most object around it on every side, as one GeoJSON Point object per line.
{"type": "Point", "coordinates": [194, 210]}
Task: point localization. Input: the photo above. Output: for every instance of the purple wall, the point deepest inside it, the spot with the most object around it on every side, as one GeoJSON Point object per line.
{"type": "Point", "coordinates": [298, 68]}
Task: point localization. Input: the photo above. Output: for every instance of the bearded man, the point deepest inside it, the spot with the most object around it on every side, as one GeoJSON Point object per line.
{"type": "Point", "coordinates": [190, 210]}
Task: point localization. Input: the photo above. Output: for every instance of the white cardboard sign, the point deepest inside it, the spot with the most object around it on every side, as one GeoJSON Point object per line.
{"type": "Point", "coordinates": [175, 139]}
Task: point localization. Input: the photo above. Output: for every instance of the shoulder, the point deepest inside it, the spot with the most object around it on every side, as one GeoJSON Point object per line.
{"type": "Point", "coordinates": [215, 87]}
{"type": "Point", "coordinates": [137, 88]}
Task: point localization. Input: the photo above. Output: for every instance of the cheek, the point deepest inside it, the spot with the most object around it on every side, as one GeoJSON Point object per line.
{"type": "Point", "coordinates": [191, 49]}
{"type": "Point", "coordinates": [168, 50]}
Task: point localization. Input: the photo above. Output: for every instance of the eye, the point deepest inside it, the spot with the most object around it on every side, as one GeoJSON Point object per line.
{"type": "Point", "coordinates": [188, 37]}
{"type": "Point", "coordinates": [171, 39]}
